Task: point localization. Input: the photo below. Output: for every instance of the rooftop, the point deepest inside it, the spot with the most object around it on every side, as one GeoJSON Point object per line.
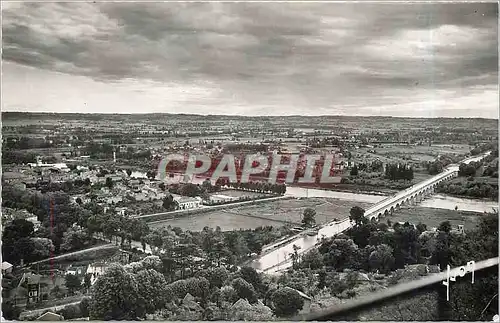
{"type": "Point", "coordinates": [6, 265]}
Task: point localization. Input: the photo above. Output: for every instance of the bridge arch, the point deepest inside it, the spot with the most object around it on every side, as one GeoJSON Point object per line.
{"type": "Point", "coordinates": [386, 213]}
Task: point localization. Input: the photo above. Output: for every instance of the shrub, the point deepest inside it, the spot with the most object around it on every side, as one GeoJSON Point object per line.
{"type": "Point", "coordinates": [287, 302]}
{"type": "Point", "coordinates": [244, 290]}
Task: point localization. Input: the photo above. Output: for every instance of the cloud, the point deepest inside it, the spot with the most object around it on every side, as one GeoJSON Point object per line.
{"type": "Point", "coordinates": [262, 56]}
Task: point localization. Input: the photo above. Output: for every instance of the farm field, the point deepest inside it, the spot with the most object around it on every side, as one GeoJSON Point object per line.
{"type": "Point", "coordinates": [226, 221]}
{"type": "Point", "coordinates": [276, 213]}
{"type": "Point", "coordinates": [432, 217]}
{"type": "Point", "coordinates": [394, 153]}
{"type": "Point", "coordinates": [291, 210]}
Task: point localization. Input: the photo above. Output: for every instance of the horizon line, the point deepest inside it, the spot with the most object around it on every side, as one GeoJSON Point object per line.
{"type": "Point", "coordinates": [243, 116]}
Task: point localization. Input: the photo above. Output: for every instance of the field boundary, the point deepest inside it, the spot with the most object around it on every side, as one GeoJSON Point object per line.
{"type": "Point", "coordinates": [160, 217]}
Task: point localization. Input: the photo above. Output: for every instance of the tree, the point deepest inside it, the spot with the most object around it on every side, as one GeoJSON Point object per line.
{"type": "Point", "coordinates": [312, 259]}
{"type": "Point", "coordinates": [190, 190]}
{"type": "Point", "coordinates": [322, 279]}
{"type": "Point", "coordinates": [17, 229]}
{"type": "Point", "coordinates": [354, 171]}
{"type": "Point", "coordinates": [70, 312]}
{"type": "Point", "coordinates": [84, 307]}
{"type": "Point", "coordinates": [357, 215]}
{"type": "Point", "coordinates": [151, 174]}
{"type": "Point", "coordinates": [441, 254]}
{"type": "Point", "coordinates": [87, 281]}
{"type": "Point", "coordinates": [417, 306]}
{"type": "Point", "coordinates": [421, 227]}
{"type": "Point", "coordinates": [153, 290]}
{"type": "Point", "coordinates": [466, 170]}
{"type": "Point", "coordinates": [57, 292]}
{"type": "Point", "coordinates": [168, 202]}
{"type": "Point", "coordinates": [74, 238]}
{"type": "Point", "coordinates": [444, 226]}
{"type": "Point", "coordinates": [287, 302]}
{"type": "Point", "coordinates": [228, 294]}
{"type": "Point", "coordinates": [152, 262]}
{"type": "Point", "coordinates": [308, 218]}
{"type": "Point", "coordinates": [339, 253]}
{"type": "Point", "coordinates": [244, 290]}
{"type": "Point", "coordinates": [42, 247]}
{"type": "Point", "coordinates": [246, 312]}
{"type": "Point", "coordinates": [179, 288]}
{"type": "Point", "coordinates": [381, 259]}
{"type": "Point", "coordinates": [109, 182]}
{"type": "Point", "coordinates": [72, 283]}
{"type": "Point", "coordinates": [115, 296]}
{"type": "Point", "coordinates": [250, 275]}
{"type": "Point", "coordinates": [217, 276]}
{"type": "Point", "coordinates": [435, 167]}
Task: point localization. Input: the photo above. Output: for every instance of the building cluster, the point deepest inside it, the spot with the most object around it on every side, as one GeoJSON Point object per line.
{"type": "Point", "coordinates": [24, 288]}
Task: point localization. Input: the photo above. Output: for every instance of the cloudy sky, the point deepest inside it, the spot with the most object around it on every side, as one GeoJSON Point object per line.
{"type": "Point", "coordinates": [428, 60]}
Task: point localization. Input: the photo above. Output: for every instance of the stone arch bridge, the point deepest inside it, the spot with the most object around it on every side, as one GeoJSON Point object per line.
{"type": "Point", "coordinates": [410, 196]}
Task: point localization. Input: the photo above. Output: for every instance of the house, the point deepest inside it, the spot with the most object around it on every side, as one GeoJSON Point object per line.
{"type": "Point", "coordinates": [121, 210]}
{"type": "Point", "coordinates": [9, 214]}
{"type": "Point", "coordinates": [83, 198]}
{"type": "Point", "coordinates": [29, 289]}
{"type": "Point", "coordinates": [6, 268]}
{"type": "Point", "coordinates": [95, 270]}
{"type": "Point", "coordinates": [219, 198]}
{"type": "Point", "coordinates": [33, 288]}
{"type": "Point", "coordinates": [49, 316]}
{"type": "Point", "coordinates": [121, 256]}
{"type": "Point", "coordinates": [114, 199]}
{"type": "Point", "coordinates": [13, 177]}
{"type": "Point", "coordinates": [76, 270]}
{"type": "Point", "coordinates": [185, 203]}
{"type": "Point", "coordinates": [115, 178]}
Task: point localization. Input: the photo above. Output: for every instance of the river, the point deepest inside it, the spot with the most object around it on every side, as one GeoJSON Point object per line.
{"type": "Point", "coordinates": [279, 258]}
{"type": "Point", "coordinates": [438, 201]}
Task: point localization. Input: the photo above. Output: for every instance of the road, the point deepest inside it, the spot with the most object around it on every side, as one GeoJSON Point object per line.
{"type": "Point", "coordinates": [279, 259]}
{"type": "Point", "coordinates": [207, 208]}
{"type": "Point", "coordinates": [104, 246]}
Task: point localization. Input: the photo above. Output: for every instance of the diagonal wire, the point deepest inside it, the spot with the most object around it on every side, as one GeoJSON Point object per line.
{"type": "Point", "coordinates": [488, 305]}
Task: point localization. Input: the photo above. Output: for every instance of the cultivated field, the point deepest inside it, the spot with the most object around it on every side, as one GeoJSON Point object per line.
{"type": "Point", "coordinates": [226, 221]}
{"type": "Point", "coordinates": [277, 213]}
{"type": "Point", "coordinates": [433, 217]}
{"type": "Point", "coordinates": [291, 210]}
{"type": "Point", "coordinates": [394, 153]}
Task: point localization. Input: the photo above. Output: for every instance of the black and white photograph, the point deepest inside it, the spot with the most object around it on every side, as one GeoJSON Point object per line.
{"type": "Point", "coordinates": [249, 161]}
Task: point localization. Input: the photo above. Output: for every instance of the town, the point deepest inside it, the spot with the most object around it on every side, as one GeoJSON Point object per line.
{"type": "Point", "coordinates": [75, 206]}
{"type": "Point", "coordinates": [249, 161]}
